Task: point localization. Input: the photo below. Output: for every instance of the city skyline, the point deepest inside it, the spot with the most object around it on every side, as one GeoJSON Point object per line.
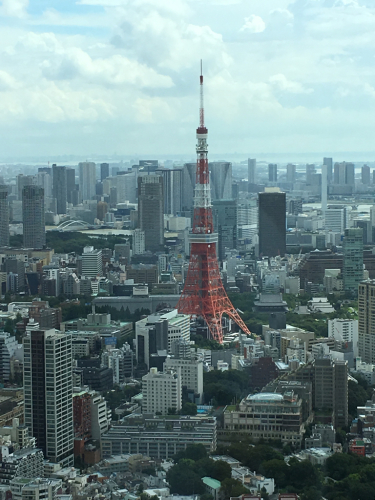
{"type": "Point", "coordinates": [81, 77]}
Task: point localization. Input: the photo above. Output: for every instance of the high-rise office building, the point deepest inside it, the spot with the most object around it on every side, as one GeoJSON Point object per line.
{"type": "Point", "coordinates": [92, 263]}
{"type": "Point", "coordinates": [272, 172]}
{"type": "Point", "coordinates": [366, 175]}
{"type": "Point", "coordinates": [161, 392]}
{"type": "Point", "coordinates": [87, 179]}
{"type": "Point", "coordinates": [172, 189]}
{"type": "Point", "coordinates": [366, 321]}
{"type": "Point", "coordinates": [71, 187]}
{"type": "Point", "coordinates": [251, 170]}
{"type": "Point", "coordinates": [104, 171]}
{"type": "Point", "coordinates": [353, 259]}
{"type": "Point", "coordinates": [344, 174]}
{"type": "Point", "coordinates": [290, 172]}
{"type": "Point", "coordinates": [220, 180]}
{"type": "Point", "coordinates": [329, 163]}
{"type": "Point", "coordinates": [272, 223]}
{"type": "Point", "coordinates": [335, 219]}
{"type": "Point", "coordinates": [151, 211]}
{"type": "Point", "coordinates": [324, 196]}
{"type": "Point", "coordinates": [48, 393]}
{"type": "Point", "coordinates": [22, 181]}
{"type": "Point", "coordinates": [44, 180]}
{"type": "Point", "coordinates": [4, 216]}
{"type": "Point", "coordinates": [138, 244]}
{"type": "Point", "coordinates": [225, 222]}
{"type": "Point", "coordinates": [331, 389]}
{"type": "Point", "coordinates": [189, 179]}
{"type": "Point", "coordinates": [59, 190]}
{"type": "Point", "coordinates": [310, 171]}
{"type": "Point", "coordinates": [34, 231]}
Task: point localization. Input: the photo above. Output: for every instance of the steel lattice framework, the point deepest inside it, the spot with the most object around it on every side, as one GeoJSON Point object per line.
{"type": "Point", "coordinates": [204, 294]}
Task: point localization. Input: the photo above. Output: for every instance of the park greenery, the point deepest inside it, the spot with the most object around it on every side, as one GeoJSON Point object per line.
{"type": "Point", "coordinates": [191, 465]}
{"type": "Point", "coordinates": [74, 241]}
{"type": "Point", "coordinates": [343, 476]}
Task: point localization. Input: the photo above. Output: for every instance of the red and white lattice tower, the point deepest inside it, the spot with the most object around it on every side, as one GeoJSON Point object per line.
{"type": "Point", "coordinates": [204, 294]}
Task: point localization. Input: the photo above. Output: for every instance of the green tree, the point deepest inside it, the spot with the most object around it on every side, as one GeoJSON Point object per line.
{"type": "Point", "coordinates": [183, 480]}
{"type": "Point", "coordinates": [189, 409]}
{"type": "Point", "coordinates": [193, 452]}
{"type": "Point", "coordinates": [232, 488]}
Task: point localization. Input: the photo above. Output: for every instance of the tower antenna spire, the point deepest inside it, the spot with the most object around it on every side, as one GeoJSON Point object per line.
{"type": "Point", "coordinates": [204, 295]}
{"type": "Point", "coordinates": [201, 110]}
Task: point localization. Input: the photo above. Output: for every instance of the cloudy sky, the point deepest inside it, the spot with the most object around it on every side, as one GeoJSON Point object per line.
{"type": "Point", "coordinates": [90, 77]}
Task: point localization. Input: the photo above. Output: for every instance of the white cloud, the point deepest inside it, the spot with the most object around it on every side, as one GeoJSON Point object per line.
{"type": "Point", "coordinates": [280, 82]}
{"type": "Point", "coordinates": [253, 24]}
{"type": "Point", "coordinates": [292, 71]}
{"type": "Point", "coordinates": [14, 8]}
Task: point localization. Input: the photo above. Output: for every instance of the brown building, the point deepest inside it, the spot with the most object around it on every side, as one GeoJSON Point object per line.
{"type": "Point", "coordinates": [262, 372]}
{"type": "Point", "coordinates": [143, 273]}
{"type": "Point", "coordinates": [82, 415]}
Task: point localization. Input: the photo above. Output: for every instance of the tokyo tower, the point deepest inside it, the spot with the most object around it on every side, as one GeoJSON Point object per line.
{"type": "Point", "coordinates": [204, 294]}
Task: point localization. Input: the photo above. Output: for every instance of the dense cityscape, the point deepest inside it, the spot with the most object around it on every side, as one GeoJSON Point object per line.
{"type": "Point", "coordinates": [122, 378]}
{"type": "Point", "coordinates": [187, 326]}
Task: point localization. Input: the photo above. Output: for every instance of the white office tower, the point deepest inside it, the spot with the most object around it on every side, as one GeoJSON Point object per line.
{"type": "Point", "coordinates": [191, 371]}
{"type": "Point", "coordinates": [344, 330]}
{"type": "Point", "coordinates": [162, 392]}
{"type": "Point", "coordinates": [335, 219]}
{"type": "Point", "coordinates": [324, 188]}
{"type": "Point", "coordinates": [92, 265]}
{"type": "Point", "coordinates": [138, 242]}
{"type": "Point", "coordinates": [87, 179]}
{"type": "Point", "coordinates": [251, 170]}
{"type": "Point", "coordinates": [48, 393]}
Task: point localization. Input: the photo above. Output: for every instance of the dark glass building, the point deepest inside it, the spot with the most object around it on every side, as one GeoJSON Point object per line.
{"type": "Point", "coordinates": [272, 223]}
{"type": "Point", "coordinates": [34, 231]}
{"type": "Point", "coordinates": [59, 188]}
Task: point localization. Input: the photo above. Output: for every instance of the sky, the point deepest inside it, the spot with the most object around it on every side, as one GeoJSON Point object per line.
{"type": "Point", "coordinates": [98, 77]}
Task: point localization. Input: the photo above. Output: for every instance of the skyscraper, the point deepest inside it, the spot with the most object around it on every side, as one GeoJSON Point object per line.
{"type": "Point", "coordinates": [328, 162]}
{"type": "Point", "coordinates": [34, 231]}
{"type": "Point", "coordinates": [324, 188]}
{"type": "Point", "coordinates": [366, 176]}
{"type": "Point", "coordinates": [70, 185]}
{"type": "Point", "coordinates": [59, 190]}
{"type": "Point", "coordinates": [290, 172]}
{"type": "Point", "coordinates": [172, 189]}
{"type": "Point", "coordinates": [22, 181]}
{"type": "Point", "coordinates": [4, 216]}
{"type": "Point", "coordinates": [189, 175]}
{"type": "Point", "coordinates": [272, 223]}
{"type": "Point", "coordinates": [366, 321]}
{"type": "Point", "coordinates": [225, 221]}
{"type": "Point", "coordinates": [150, 211]}
{"type": "Point", "coordinates": [272, 172]}
{"type": "Point", "coordinates": [104, 171]}
{"type": "Point", "coordinates": [353, 259]}
{"type": "Point", "coordinates": [48, 393]}
{"type": "Point", "coordinates": [310, 171]}
{"type": "Point", "coordinates": [251, 170]}
{"type": "Point", "coordinates": [87, 179]}
{"type": "Point", "coordinates": [220, 180]}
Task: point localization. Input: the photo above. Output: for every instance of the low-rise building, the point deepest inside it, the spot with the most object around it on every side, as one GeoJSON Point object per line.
{"type": "Point", "coordinates": [267, 416]}
{"type": "Point", "coordinates": [158, 437]}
